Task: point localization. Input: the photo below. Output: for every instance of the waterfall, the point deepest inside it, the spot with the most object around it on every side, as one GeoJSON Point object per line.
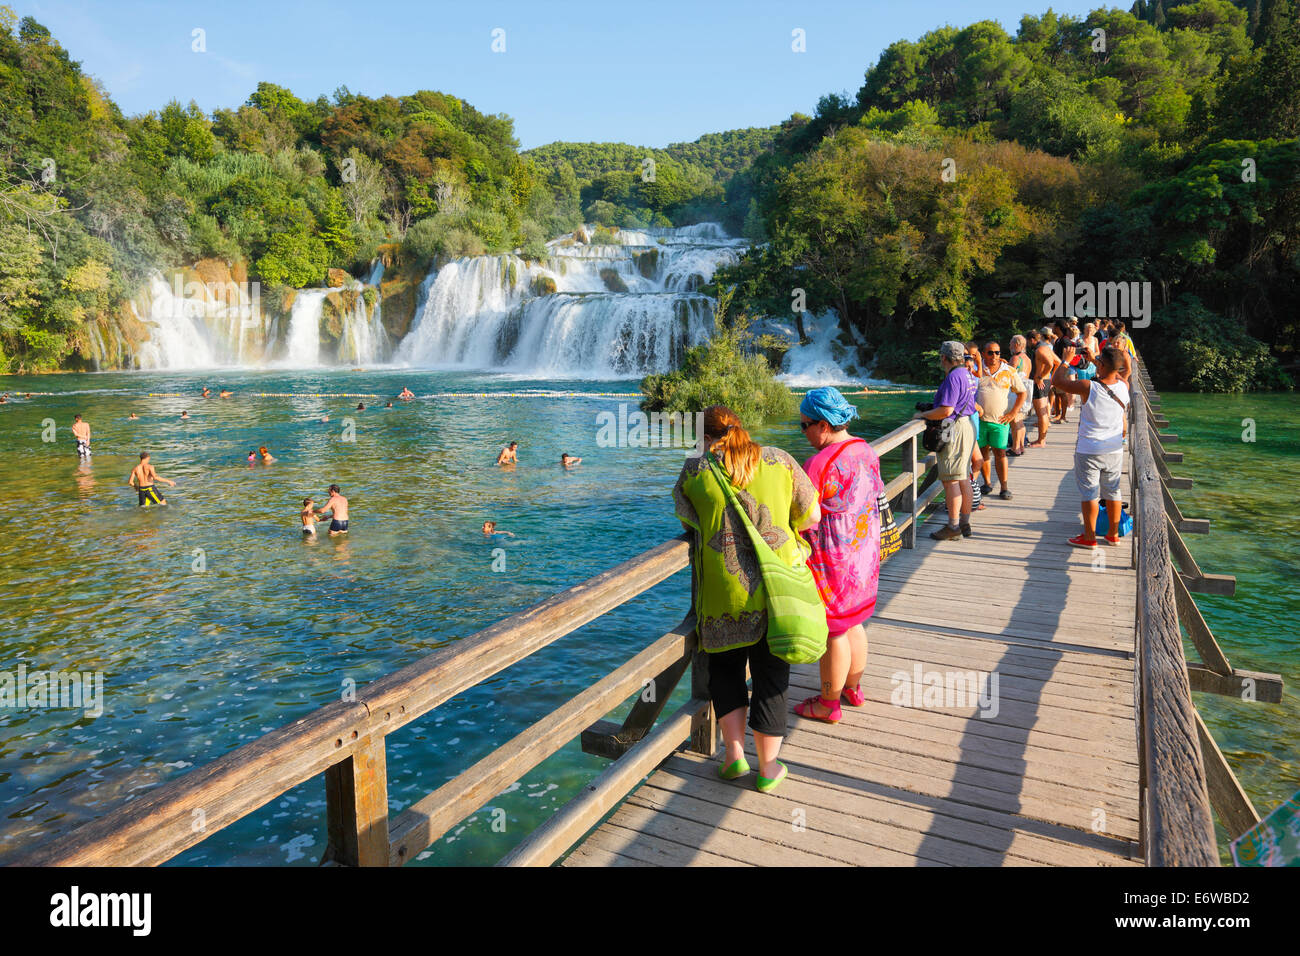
{"type": "Point", "coordinates": [197, 326]}
{"type": "Point", "coordinates": [600, 310]}
{"type": "Point", "coordinates": [302, 346]}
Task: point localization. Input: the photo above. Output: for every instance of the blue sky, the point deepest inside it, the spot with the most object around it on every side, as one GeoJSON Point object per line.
{"type": "Point", "coordinates": [647, 73]}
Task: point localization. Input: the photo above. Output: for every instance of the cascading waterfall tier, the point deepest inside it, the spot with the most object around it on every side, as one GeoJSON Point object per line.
{"type": "Point", "coordinates": [194, 325]}
{"type": "Point", "coordinates": [621, 307]}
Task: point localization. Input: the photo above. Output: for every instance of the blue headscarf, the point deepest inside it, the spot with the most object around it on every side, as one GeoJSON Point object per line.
{"type": "Point", "coordinates": [828, 405]}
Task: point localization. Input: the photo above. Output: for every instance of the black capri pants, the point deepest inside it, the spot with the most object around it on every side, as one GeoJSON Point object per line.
{"type": "Point", "coordinates": [771, 679]}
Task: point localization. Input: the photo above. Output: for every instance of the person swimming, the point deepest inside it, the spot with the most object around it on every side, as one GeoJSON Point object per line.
{"type": "Point", "coordinates": [405, 393]}
{"type": "Point", "coordinates": [206, 393]}
{"type": "Point", "coordinates": [389, 405]}
{"type": "Point", "coordinates": [226, 393]}
{"type": "Point", "coordinates": [568, 461]}
{"type": "Point", "coordinates": [509, 455]}
{"type": "Point", "coordinates": [361, 406]}
{"type": "Point", "coordinates": [308, 516]}
{"type": "Point", "coordinates": [252, 457]}
{"type": "Point", "coordinates": [267, 457]}
{"type": "Point", "coordinates": [185, 416]}
{"type": "Point", "coordinates": [132, 417]}
{"type": "Point", "coordinates": [490, 529]}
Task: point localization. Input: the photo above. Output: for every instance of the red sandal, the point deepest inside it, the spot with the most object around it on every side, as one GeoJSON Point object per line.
{"type": "Point", "coordinates": [853, 696]}
{"type": "Point", "coordinates": [832, 706]}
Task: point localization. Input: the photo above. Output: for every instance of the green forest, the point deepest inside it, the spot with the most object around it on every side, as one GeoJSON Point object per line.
{"type": "Point", "coordinates": [971, 167]}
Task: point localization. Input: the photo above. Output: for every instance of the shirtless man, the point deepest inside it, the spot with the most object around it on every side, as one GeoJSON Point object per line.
{"type": "Point", "coordinates": [406, 393]}
{"type": "Point", "coordinates": [143, 477]}
{"type": "Point", "coordinates": [509, 455]}
{"type": "Point", "coordinates": [81, 432]}
{"type": "Point", "coordinates": [1045, 362]}
{"type": "Point", "coordinates": [225, 393]}
{"type": "Point", "coordinates": [337, 506]}
{"type": "Point", "coordinates": [568, 461]}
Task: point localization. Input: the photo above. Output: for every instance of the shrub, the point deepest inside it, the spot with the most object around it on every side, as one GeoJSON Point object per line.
{"type": "Point", "coordinates": [728, 370]}
{"type": "Point", "coordinates": [1190, 348]}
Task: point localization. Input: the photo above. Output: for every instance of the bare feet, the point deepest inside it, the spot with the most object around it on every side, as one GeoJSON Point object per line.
{"type": "Point", "coordinates": [1042, 442]}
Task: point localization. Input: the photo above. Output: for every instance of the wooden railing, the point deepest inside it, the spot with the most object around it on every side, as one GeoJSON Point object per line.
{"type": "Point", "coordinates": [1184, 777]}
{"type": "Point", "coordinates": [345, 740]}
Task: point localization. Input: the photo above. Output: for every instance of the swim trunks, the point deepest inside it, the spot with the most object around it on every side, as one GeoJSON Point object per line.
{"type": "Point", "coordinates": [336, 525]}
{"type": "Point", "coordinates": [148, 496]}
{"type": "Point", "coordinates": [83, 448]}
{"type": "Point", "coordinates": [1039, 392]}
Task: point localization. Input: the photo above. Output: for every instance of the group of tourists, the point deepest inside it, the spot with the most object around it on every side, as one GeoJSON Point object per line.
{"type": "Point", "coordinates": [757, 518]}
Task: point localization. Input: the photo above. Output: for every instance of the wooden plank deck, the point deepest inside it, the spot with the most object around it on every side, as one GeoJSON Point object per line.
{"type": "Point", "coordinates": [1051, 779]}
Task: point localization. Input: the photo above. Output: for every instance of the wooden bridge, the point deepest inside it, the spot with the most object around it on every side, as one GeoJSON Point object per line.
{"type": "Point", "coordinates": [1029, 703]}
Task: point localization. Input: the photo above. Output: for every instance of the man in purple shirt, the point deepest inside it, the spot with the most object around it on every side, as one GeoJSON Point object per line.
{"type": "Point", "coordinates": [953, 403]}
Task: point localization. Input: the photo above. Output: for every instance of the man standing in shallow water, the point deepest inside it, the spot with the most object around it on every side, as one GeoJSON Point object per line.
{"type": "Point", "coordinates": [337, 506]}
{"type": "Point", "coordinates": [143, 477]}
{"type": "Point", "coordinates": [81, 432]}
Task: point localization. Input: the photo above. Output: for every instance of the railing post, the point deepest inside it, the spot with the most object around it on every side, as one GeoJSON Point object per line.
{"type": "Point", "coordinates": [356, 807]}
{"type": "Point", "coordinates": [909, 495]}
{"type": "Point", "coordinates": [704, 723]}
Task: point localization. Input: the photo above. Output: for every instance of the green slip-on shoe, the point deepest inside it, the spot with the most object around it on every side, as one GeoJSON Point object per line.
{"type": "Point", "coordinates": [766, 785]}
{"type": "Point", "coordinates": [737, 768]}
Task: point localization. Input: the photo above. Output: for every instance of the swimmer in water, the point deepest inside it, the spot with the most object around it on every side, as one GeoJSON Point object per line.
{"type": "Point", "coordinates": [568, 461]}
{"type": "Point", "coordinates": [143, 478]}
{"type": "Point", "coordinates": [132, 417]}
{"type": "Point", "coordinates": [206, 393]}
{"type": "Point", "coordinates": [309, 517]}
{"type": "Point", "coordinates": [185, 416]}
{"type": "Point", "coordinates": [252, 457]}
{"type": "Point", "coordinates": [226, 393]}
{"type": "Point", "coordinates": [267, 457]}
{"type": "Point", "coordinates": [389, 405]}
{"type": "Point", "coordinates": [509, 455]}
{"type": "Point", "coordinates": [361, 406]}
{"type": "Point", "coordinates": [405, 393]}
{"type": "Point", "coordinates": [490, 528]}
{"type": "Point", "coordinates": [325, 418]}
{"type": "Point", "coordinates": [337, 506]}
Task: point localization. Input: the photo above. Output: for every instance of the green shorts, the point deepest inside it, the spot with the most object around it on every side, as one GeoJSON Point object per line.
{"type": "Point", "coordinates": [993, 435]}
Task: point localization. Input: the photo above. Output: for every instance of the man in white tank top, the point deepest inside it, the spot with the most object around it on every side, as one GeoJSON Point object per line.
{"type": "Point", "coordinates": [1099, 451]}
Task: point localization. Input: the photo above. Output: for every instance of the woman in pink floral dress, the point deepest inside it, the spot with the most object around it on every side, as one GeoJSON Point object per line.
{"type": "Point", "coordinates": [845, 546]}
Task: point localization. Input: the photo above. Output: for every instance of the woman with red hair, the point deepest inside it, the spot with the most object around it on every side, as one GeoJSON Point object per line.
{"type": "Point", "coordinates": [730, 607]}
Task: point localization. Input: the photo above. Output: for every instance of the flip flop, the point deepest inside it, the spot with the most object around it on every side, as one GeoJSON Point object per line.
{"type": "Point", "coordinates": [737, 768]}
{"type": "Point", "coordinates": [767, 785]}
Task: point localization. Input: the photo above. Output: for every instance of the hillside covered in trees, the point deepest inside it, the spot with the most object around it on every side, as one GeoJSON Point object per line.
{"type": "Point", "coordinates": [1157, 146]}
{"type": "Point", "coordinates": [972, 166]}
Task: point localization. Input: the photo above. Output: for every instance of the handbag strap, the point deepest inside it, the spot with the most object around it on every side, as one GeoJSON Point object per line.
{"type": "Point", "coordinates": [1118, 401]}
{"type": "Point", "coordinates": [754, 536]}
{"type": "Point", "coordinates": [830, 461]}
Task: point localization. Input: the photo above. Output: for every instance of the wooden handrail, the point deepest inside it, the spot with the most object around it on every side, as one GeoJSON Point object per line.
{"type": "Point", "coordinates": [1177, 822]}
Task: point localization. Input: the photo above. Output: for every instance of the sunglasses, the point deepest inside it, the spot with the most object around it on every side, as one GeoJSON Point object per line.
{"type": "Point", "coordinates": [804, 426]}
{"type": "Point", "coordinates": [992, 352]}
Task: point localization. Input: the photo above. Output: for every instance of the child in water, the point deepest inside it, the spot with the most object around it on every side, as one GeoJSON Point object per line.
{"type": "Point", "coordinates": [308, 517]}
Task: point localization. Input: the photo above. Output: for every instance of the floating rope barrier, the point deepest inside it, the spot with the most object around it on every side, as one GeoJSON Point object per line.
{"type": "Point", "coordinates": [530, 393]}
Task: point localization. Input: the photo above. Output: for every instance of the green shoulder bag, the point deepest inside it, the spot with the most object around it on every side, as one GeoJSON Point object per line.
{"type": "Point", "coordinates": [796, 617]}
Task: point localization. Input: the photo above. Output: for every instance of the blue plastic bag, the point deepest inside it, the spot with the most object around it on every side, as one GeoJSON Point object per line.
{"type": "Point", "coordinates": [1125, 522]}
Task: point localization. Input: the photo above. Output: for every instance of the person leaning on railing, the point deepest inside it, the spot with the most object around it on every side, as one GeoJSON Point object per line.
{"type": "Point", "coordinates": [730, 606]}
